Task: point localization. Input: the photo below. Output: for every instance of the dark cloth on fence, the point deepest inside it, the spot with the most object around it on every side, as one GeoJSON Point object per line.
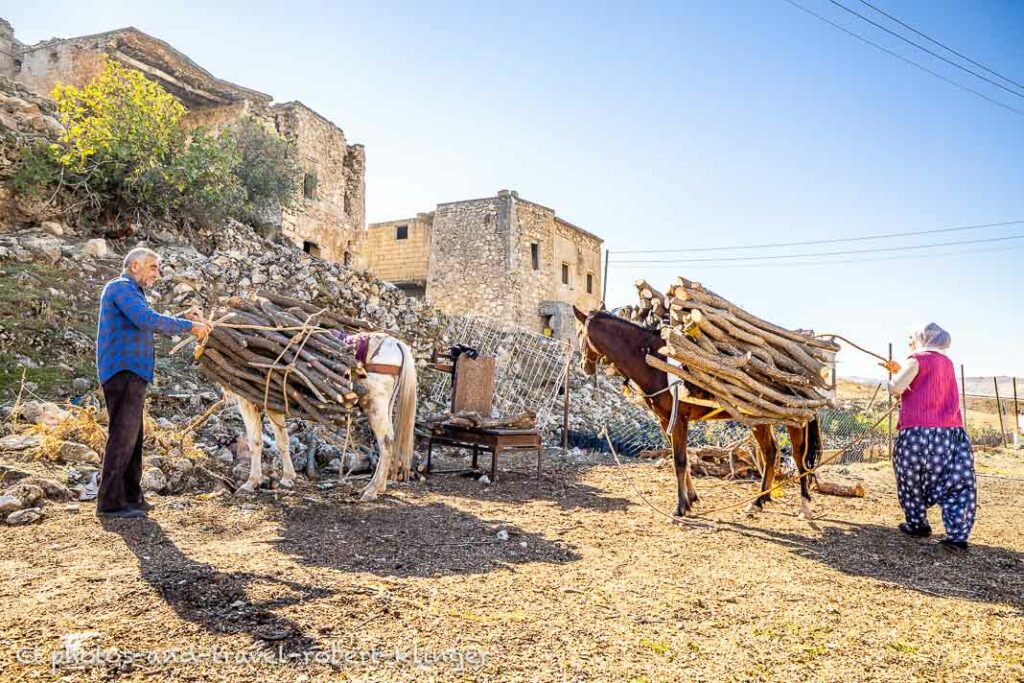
{"type": "Point", "coordinates": [935, 466]}
{"type": "Point", "coordinates": [120, 485]}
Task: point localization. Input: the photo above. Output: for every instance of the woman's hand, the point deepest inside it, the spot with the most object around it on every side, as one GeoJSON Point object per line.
{"type": "Point", "coordinates": [892, 366]}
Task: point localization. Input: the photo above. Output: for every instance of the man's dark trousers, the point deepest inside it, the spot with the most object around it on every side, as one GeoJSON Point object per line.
{"type": "Point", "coordinates": [120, 485]}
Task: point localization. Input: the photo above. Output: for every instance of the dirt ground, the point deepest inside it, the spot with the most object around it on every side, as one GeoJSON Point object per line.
{"type": "Point", "coordinates": [569, 578]}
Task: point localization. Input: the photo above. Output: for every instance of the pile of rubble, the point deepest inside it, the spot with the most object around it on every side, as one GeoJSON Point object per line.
{"type": "Point", "coordinates": [242, 262]}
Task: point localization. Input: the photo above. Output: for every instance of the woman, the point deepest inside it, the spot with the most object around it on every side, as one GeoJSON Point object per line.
{"type": "Point", "coordinates": [932, 458]}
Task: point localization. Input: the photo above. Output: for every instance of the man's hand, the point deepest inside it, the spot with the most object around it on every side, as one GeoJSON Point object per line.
{"type": "Point", "coordinates": [191, 314]}
{"type": "Point", "coordinates": [892, 366]}
{"type": "Point", "coordinates": [200, 330]}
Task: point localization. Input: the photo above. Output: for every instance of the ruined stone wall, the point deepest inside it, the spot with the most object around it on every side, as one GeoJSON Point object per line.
{"type": "Point", "coordinates": [535, 226]}
{"type": "Point", "coordinates": [329, 210]}
{"type": "Point", "coordinates": [71, 62]}
{"type": "Point", "coordinates": [468, 271]}
{"type": "Point", "coordinates": [482, 263]}
{"type": "Point", "coordinates": [582, 252]}
{"type": "Point", "coordinates": [330, 216]}
{"type": "Point", "coordinates": [402, 261]}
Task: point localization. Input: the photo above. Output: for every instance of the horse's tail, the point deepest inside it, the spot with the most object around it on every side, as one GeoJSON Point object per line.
{"type": "Point", "coordinates": [405, 414]}
{"type": "Point", "coordinates": [812, 437]}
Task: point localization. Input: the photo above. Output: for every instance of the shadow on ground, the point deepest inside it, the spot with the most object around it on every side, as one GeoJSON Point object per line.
{"type": "Point", "coordinates": [406, 537]}
{"type": "Point", "coordinates": [215, 600]}
{"type": "Point", "coordinates": [559, 483]}
{"type": "Point", "coordinates": [983, 574]}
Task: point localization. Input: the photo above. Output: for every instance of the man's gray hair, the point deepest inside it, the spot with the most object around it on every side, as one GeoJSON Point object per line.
{"type": "Point", "coordinates": [138, 254]}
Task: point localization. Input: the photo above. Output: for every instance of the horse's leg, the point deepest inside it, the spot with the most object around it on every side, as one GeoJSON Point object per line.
{"type": "Point", "coordinates": [377, 414]}
{"type": "Point", "coordinates": [283, 447]}
{"type": "Point", "coordinates": [765, 437]}
{"type": "Point", "coordinates": [253, 419]}
{"type": "Point", "coordinates": [800, 438]}
{"type": "Point", "coordinates": [685, 493]}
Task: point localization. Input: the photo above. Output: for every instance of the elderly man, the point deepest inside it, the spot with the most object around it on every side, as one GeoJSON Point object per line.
{"type": "Point", "coordinates": [124, 360]}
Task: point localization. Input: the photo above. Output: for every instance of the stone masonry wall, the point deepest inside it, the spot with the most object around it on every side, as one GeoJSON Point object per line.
{"type": "Point", "coordinates": [333, 216]}
{"type": "Point", "coordinates": [402, 261]}
{"type": "Point", "coordinates": [582, 252]}
{"type": "Point", "coordinates": [468, 266]}
{"type": "Point", "coordinates": [481, 263]}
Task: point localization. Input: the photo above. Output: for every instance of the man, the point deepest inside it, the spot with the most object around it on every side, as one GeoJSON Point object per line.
{"type": "Point", "coordinates": [124, 361]}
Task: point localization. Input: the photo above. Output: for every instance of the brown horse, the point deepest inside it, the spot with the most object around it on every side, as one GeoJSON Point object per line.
{"type": "Point", "coordinates": [609, 339]}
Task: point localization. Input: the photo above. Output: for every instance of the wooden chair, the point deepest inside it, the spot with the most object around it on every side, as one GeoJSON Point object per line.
{"type": "Point", "coordinates": [473, 390]}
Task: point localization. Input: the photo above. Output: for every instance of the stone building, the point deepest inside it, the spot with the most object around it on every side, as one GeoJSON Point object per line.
{"type": "Point", "coordinates": [328, 216]}
{"type": "Point", "coordinates": [399, 252]}
{"type": "Point", "coordinates": [502, 257]}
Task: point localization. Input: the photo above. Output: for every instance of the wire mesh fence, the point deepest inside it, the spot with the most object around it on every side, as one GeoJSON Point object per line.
{"type": "Point", "coordinates": [529, 367]}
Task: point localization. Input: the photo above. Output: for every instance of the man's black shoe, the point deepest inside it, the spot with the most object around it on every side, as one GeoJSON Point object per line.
{"type": "Point", "coordinates": [922, 532]}
{"type": "Point", "coordinates": [124, 513]}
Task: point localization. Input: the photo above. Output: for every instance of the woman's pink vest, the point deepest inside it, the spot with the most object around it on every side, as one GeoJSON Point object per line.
{"type": "Point", "coordinates": [932, 399]}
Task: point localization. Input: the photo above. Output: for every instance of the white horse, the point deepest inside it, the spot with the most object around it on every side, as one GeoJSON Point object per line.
{"type": "Point", "coordinates": [391, 380]}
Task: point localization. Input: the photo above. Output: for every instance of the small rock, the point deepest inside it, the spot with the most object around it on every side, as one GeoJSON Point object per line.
{"type": "Point", "coordinates": [52, 490]}
{"type": "Point", "coordinates": [29, 495]}
{"type": "Point", "coordinates": [45, 249]}
{"type": "Point", "coordinates": [484, 479]}
{"type": "Point", "coordinates": [26, 516]}
{"type": "Point", "coordinates": [153, 480]}
{"type": "Point", "coordinates": [73, 507]}
{"type": "Point", "coordinates": [502, 535]}
{"type": "Point", "coordinates": [9, 504]}
{"type": "Point", "coordinates": [71, 453]}
{"type": "Point", "coordinates": [97, 248]}
{"type": "Point", "coordinates": [224, 455]}
{"type": "Point", "coordinates": [53, 228]}
{"type": "Point", "coordinates": [20, 442]}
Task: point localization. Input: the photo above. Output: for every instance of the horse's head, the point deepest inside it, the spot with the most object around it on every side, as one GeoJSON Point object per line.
{"type": "Point", "coordinates": [589, 356]}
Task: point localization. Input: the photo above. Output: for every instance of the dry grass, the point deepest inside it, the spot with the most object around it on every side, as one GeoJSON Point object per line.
{"type": "Point", "coordinates": [589, 584]}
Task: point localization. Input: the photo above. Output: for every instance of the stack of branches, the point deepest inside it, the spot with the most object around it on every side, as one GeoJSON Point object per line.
{"type": "Point", "coordinates": [280, 353]}
{"type": "Point", "coordinates": [758, 372]}
{"type": "Point", "coordinates": [468, 419]}
{"type": "Point", "coordinates": [651, 312]}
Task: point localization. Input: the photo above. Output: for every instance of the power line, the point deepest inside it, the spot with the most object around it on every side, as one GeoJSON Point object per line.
{"type": "Point", "coordinates": [942, 45]}
{"type": "Point", "coordinates": [836, 240]}
{"type": "Point", "coordinates": [904, 59]}
{"type": "Point", "coordinates": [922, 47]}
{"type": "Point", "coordinates": [874, 250]}
{"type": "Point", "coordinates": [820, 262]}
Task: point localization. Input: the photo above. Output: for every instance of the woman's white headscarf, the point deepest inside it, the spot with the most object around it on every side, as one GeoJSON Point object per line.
{"type": "Point", "coordinates": [931, 337]}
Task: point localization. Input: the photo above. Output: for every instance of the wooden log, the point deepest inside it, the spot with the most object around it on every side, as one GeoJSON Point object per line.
{"type": "Point", "coordinates": [696, 290]}
{"type": "Point", "coordinates": [846, 490]}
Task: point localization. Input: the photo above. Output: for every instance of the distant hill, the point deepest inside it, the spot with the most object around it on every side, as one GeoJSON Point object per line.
{"type": "Point", "coordinates": [981, 386]}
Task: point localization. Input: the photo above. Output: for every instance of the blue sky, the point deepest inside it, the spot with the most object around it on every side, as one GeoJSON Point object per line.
{"type": "Point", "coordinates": [670, 125]}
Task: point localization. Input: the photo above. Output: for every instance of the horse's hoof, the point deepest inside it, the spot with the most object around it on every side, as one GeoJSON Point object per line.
{"type": "Point", "coordinates": [805, 511]}
{"type": "Point", "coordinates": [753, 510]}
{"type": "Point", "coordinates": [247, 487]}
{"type": "Point", "coordinates": [286, 483]}
{"type": "Point", "coordinates": [368, 496]}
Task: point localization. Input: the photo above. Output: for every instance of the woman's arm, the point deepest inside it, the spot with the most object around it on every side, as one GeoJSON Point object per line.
{"type": "Point", "coordinates": [902, 380]}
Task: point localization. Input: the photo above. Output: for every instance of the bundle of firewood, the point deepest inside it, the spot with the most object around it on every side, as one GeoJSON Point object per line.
{"type": "Point", "coordinates": [280, 353]}
{"type": "Point", "coordinates": [758, 372]}
{"type": "Point", "coordinates": [469, 419]}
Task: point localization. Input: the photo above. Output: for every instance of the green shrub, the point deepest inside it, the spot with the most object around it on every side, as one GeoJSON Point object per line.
{"type": "Point", "coordinates": [267, 174]}
{"type": "Point", "coordinates": [125, 154]}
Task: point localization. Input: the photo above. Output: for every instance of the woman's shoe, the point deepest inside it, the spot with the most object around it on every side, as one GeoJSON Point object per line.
{"type": "Point", "coordinates": [921, 532]}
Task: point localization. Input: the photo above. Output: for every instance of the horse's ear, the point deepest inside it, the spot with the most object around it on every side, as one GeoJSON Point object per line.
{"type": "Point", "coordinates": [580, 315]}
